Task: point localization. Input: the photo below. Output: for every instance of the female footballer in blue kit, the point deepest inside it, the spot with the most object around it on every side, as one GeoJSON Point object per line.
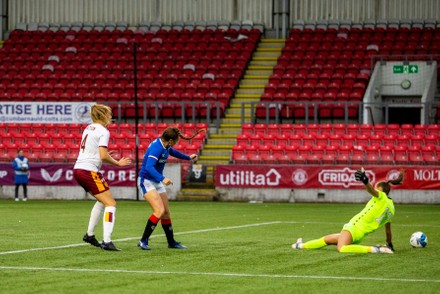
{"type": "Point", "coordinates": [152, 183]}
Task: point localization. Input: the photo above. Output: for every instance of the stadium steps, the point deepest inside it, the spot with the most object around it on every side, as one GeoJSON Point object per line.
{"type": "Point", "coordinates": [197, 194]}
{"type": "Point", "coordinates": [239, 98]}
{"type": "Point", "coordinates": [214, 159]}
{"type": "Point", "coordinates": [264, 68]}
{"type": "Point", "coordinates": [217, 149]}
{"type": "Point", "coordinates": [254, 80]}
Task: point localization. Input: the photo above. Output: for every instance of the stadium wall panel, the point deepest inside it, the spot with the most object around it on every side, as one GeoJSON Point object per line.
{"type": "Point", "coordinates": [168, 11]}
{"type": "Point", "coordinates": [323, 195]}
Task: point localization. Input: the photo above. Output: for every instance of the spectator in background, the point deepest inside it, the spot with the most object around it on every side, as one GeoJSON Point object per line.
{"type": "Point", "coordinates": [21, 167]}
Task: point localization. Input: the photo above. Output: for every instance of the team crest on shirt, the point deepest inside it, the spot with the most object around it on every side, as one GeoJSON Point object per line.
{"type": "Point", "coordinates": [163, 158]}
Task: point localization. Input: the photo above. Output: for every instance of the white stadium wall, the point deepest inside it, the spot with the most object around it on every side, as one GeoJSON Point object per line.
{"type": "Point", "coordinates": [323, 196]}
{"type": "Point", "coordinates": [361, 10]}
{"type": "Point", "coordinates": [49, 188]}
{"type": "Point", "coordinates": [168, 11]}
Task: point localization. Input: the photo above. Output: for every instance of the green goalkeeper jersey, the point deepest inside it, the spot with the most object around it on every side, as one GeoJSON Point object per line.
{"type": "Point", "coordinates": [378, 211]}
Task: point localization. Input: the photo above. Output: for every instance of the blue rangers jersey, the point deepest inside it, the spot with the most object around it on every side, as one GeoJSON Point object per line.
{"type": "Point", "coordinates": [155, 159]}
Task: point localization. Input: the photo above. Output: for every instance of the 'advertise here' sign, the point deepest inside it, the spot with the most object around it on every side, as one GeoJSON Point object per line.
{"type": "Point", "coordinates": [45, 112]}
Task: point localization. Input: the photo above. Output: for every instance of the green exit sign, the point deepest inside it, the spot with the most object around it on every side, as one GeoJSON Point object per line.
{"type": "Point", "coordinates": [406, 69]}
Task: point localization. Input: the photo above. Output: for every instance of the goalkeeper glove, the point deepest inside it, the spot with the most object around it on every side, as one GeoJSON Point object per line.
{"type": "Point", "coordinates": [361, 176]}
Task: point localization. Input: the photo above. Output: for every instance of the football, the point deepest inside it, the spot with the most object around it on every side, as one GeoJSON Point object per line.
{"type": "Point", "coordinates": [25, 166]}
{"type": "Point", "coordinates": [418, 240]}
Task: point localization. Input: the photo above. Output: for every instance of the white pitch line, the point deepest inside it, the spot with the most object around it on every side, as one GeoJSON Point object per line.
{"type": "Point", "coordinates": [135, 238]}
{"type": "Point", "coordinates": [340, 223]}
{"type": "Point", "coordinates": [190, 232]}
{"type": "Point", "coordinates": [219, 274]}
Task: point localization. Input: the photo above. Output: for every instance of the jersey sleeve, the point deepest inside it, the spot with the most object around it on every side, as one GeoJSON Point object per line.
{"type": "Point", "coordinates": [178, 154]}
{"type": "Point", "coordinates": [104, 138]}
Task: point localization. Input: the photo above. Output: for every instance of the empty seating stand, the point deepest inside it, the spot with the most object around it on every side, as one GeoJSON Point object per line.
{"type": "Point", "coordinates": [338, 144]}
{"type": "Point", "coordinates": [325, 67]}
{"type": "Point", "coordinates": [94, 61]}
{"type": "Point", "coordinates": [60, 142]}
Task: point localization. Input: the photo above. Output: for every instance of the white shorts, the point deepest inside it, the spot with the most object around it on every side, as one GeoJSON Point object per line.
{"type": "Point", "coordinates": [147, 186]}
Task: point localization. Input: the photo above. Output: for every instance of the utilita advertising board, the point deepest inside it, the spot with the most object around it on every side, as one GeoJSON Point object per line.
{"type": "Point", "coordinates": [323, 177]}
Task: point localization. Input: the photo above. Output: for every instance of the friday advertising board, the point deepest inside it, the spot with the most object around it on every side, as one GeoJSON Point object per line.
{"type": "Point", "coordinates": [324, 177]}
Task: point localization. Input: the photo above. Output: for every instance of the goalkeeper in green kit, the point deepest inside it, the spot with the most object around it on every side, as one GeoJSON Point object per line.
{"type": "Point", "coordinates": [376, 214]}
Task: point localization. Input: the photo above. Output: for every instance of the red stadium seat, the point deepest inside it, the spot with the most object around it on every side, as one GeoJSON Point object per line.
{"type": "Point", "coordinates": [433, 128]}
{"type": "Point", "coordinates": [239, 158]}
{"type": "Point", "coordinates": [298, 159]}
{"type": "Point", "coordinates": [47, 157]}
{"type": "Point", "coordinates": [393, 129]}
{"type": "Point", "coordinates": [60, 157]}
{"type": "Point", "coordinates": [414, 149]}
{"type": "Point", "coordinates": [372, 159]}
{"type": "Point", "coordinates": [386, 159]}
{"type": "Point", "coordinates": [283, 159]}
{"type": "Point", "coordinates": [376, 139]}
{"type": "Point", "coordinates": [315, 158]}
{"type": "Point", "coordinates": [431, 139]}
{"type": "Point", "coordinates": [72, 157]}
{"type": "Point", "coordinates": [238, 149]}
{"type": "Point", "coordinates": [269, 159]}
{"type": "Point", "coordinates": [357, 159]}
{"type": "Point", "coordinates": [400, 149]}
{"type": "Point", "coordinates": [431, 159]}
{"type": "Point", "coordinates": [250, 150]}
{"type": "Point", "coordinates": [264, 149]}
{"type": "Point", "coordinates": [343, 159]}
{"type": "Point", "coordinates": [243, 139]}
{"type": "Point", "coordinates": [415, 159]}
{"type": "Point", "coordinates": [401, 159]}
{"type": "Point", "coordinates": [254, 159]}
{"type": "Point", "coordinates": [328, 159]}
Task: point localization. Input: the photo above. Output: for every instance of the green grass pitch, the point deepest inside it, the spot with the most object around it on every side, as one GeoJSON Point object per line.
{"type": "Point", "coordinates": [233, 248]}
